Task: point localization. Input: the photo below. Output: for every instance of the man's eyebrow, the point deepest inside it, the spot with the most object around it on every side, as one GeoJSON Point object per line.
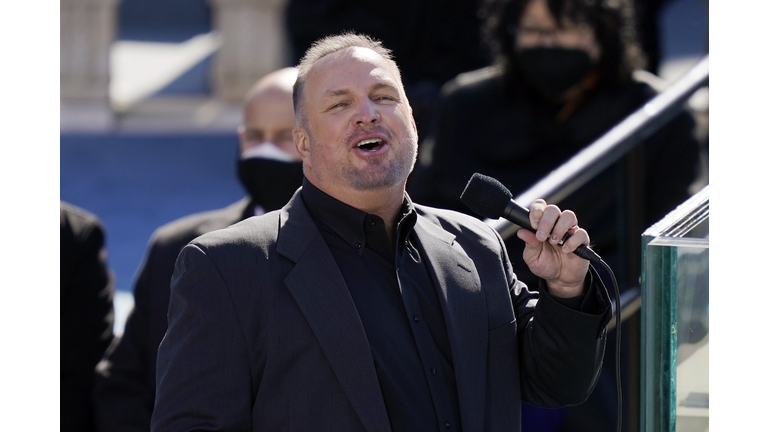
{"type": "Point", "coordinates": [343, 92]}
{"type": "Point", "coordinates": [384, 85]}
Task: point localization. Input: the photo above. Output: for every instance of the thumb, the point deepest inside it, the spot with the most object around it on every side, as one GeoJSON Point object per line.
{"type": "Point", "coordinates": [529, 238]}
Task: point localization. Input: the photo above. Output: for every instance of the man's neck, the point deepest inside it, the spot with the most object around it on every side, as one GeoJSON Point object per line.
{"type": "Point", "coordinates": [385, 203]}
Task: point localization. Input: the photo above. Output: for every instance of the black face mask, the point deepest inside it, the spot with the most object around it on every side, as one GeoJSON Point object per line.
{"type": "Point", "coordinates": [551, 71]}
{"type": "Point", "coordinates": [269, 182]}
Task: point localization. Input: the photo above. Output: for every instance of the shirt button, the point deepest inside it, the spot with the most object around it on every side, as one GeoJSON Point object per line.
{"type": "Point", "coordinates": [447, 425]}
{"type": "Point", "coordinates": [416, 319]}
{"type": "Point", "coordinates": [371, 222]}
{"type": "Point", "coordinates": [433, 371]}
{"type": "Point", "coordinates": [358, 245]}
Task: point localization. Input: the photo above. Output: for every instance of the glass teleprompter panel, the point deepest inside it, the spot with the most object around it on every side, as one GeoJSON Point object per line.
{"type": "Point", "coordinates": [675, 320]}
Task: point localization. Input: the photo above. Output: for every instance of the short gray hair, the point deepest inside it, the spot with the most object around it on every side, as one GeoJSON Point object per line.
{"type": "Point", "coordinates": [329, 45]}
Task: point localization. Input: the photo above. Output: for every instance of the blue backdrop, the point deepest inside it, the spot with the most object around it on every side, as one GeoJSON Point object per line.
{"type": "Point", "coordinates": [135, 183]}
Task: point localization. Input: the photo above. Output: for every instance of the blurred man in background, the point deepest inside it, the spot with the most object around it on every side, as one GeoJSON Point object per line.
{"type": "Point", "coordinates": [87, 290]}
{"type": "Point", "coordinates": [269, 168]}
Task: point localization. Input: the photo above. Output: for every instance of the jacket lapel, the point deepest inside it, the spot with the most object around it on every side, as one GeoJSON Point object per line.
{"type": "Point", "coordinates": [319, 289]}
{"type": "Point", "coordinates": [466, 319]}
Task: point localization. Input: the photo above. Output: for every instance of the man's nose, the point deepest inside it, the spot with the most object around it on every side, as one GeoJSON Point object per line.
{"type": "Point", "coordinates": [368, 113]}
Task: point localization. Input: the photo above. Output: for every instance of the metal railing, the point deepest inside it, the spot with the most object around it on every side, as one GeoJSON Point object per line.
{"type": "Point", "coordinates": [606, 150]}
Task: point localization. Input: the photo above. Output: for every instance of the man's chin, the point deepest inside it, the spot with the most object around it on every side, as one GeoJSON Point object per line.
{"type": "Point", "coordinates": [372, 185]}
{"type": "Point", "coordinates": [367, 182]}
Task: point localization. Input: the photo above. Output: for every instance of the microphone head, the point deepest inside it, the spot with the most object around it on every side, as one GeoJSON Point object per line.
{"type": "Point", "coordinates": [486, 196]}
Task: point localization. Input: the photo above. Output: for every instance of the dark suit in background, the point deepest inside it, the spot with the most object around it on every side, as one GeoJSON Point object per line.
{"type": "Point", "coordinates": [264, 335]}
{"type": "Point", "coordinates": [125, 386]}
{"type": "Point", "coordinates": [125, 389]}
{"type": "Point", "coordinates": [87, 313]}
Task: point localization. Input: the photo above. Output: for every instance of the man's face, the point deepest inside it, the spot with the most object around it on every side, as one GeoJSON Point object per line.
{"type": "Point", "coordinates": [359, 132]}
{"type": "Point", "coordinates": [269, 117]}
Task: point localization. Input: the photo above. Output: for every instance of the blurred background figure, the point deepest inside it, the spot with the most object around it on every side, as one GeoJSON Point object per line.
{"type": "Point", "coordinates": [269, 168]}
{"type": "Point", "coordinates": [432, 41]}
{"type": "Point", "coordinates": [562, 77]}
{"type": "Point", "coordinates": [647, 17]}
{"type": "Point", "coordinates": [86, 312]}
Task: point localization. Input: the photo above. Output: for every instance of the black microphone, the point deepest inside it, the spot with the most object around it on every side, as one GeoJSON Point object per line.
{"type": "Point", "coordinates": [490, 199]}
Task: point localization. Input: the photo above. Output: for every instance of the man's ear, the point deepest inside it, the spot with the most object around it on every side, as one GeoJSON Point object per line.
{"type": "Point", "coordinates": [301, 141]}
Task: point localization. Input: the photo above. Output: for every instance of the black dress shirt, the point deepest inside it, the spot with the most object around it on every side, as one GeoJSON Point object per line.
{"type": "Point", "coordinates": [399, 308]}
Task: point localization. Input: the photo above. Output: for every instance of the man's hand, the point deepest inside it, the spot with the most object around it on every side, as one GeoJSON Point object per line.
{"type": "Point", "coordinates": [563, 271]}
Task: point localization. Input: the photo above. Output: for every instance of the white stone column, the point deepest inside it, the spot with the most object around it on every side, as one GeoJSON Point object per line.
{"type": "Point", "coordinates": [87, 30]}
{"type": "Point", "coordinates": [253, 44]}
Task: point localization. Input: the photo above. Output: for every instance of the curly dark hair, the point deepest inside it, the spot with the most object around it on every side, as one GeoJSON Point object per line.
{"type": "Point", "coordinates": [613, 21]}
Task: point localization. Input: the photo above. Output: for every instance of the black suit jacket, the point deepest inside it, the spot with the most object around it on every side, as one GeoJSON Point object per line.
{"type": "Point", "coordinates": [87, 289]}
{"type": "Point", "coordinates": [125, 382]}
{"type": "Point", "coordinates": [264, 335]}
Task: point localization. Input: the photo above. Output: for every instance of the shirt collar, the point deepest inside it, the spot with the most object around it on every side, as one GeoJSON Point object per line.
{"type": "Point", "coordinates": [348, 222]}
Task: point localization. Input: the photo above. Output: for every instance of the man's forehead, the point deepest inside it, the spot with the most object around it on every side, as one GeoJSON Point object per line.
{"type": "Point", "coordinates": [272, 99]}
{"type": "Point", "coordinates": [339, 63]}
{"type": "Point", "coordinates": [274, 106]}
{"type": "Point", "coordinates": [270, 95]}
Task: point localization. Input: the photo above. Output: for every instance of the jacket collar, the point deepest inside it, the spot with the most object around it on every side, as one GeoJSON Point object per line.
{"type": "Point", "coordinates": [330, 311]}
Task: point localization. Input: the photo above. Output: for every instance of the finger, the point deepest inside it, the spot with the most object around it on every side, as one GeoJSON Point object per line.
{"type": "Point", "coordinates": [529, 238]}
{"type": "Point", "coordinates": [535, 212]}
{"type": "Point", "coordinates": [547, 222]}
{"type": "Point", "coordinates": [565, 222]}
{"type": "Point", "coordinates": [578, 237]}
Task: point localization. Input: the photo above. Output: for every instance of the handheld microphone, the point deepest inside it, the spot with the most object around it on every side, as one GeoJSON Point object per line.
{"type": "Point", "coordinates": [489, 198]}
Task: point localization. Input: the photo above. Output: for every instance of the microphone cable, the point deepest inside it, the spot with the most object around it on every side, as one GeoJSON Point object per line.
{"type": "Point", "coordinates": [617, 316]}
{"type": "Point", "coordinates": [589, 255]}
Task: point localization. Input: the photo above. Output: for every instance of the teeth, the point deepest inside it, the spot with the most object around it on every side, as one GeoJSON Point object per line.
{"type": "Point", "coordinates": [369, 141]}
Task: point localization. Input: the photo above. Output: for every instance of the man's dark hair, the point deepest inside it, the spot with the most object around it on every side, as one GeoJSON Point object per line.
{"type": "Point", "coordinates": [329, 45]}
{"type": "Point", "coordinates": [612, 20]}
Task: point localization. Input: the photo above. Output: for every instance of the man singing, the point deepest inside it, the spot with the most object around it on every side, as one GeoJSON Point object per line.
{"type": "Point", "coordinates": [354, 309]}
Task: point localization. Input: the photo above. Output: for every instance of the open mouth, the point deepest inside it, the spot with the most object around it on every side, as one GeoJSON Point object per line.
{"type": "Point", "coordinates": [370, 145]}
